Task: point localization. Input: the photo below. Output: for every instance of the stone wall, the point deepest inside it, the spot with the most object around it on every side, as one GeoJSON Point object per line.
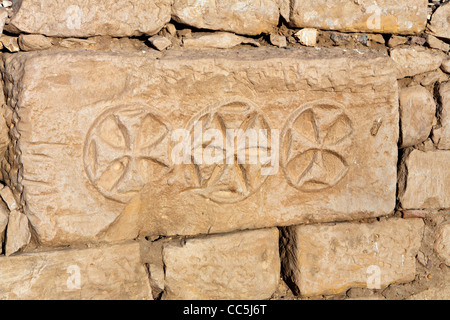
{"type": "Point", "coordinates": [227, 149]}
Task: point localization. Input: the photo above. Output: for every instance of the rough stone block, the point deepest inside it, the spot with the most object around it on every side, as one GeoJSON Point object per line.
{"type": "Point", "coordinates": [240, 16]}
{"type": "Point", "coordinates": [427, 180]}
{"type": "Point", "coordinates": [441, 134]}
{"type": "Point", "coordinates": [329, 259]}
{"type": "Point", "coordinates": [74, 18]}
{"type": "Point", "coordinates": [95, 134]}
{"type": "Point", "coordinates": [417, 113]}
{"type": "Point", "coordinates": [411, 61]}
{"type": "Point", "coordinates": [442, 244]}
{"type": "Point", "coordinates": [383, 16]}
{"type": "Point", "coordinates": [103, 273]}
{"type": "Point", "coordinates": [243, 265]}
{"type": "Point", "coordinates": [440, 22]}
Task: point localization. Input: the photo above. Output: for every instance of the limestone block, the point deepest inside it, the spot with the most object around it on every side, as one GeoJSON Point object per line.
{"type": "Point", "coordinates": [441, 134]}
{"type": "Point", "coordinates": [240, 16]}
{"type": "Point", "coordinates": [329, 259]}
{"type": "Point", "coordinates": [85, 274]}
{"type": "Point", "coordinates": [383, 16]}
{"type": "Point", "coordinates": [427, 180]}
{"type": "Point", "coordinates": [103, 143]}
{"type": "Point", "coordinates": [243, 265]}
{"type": "Point", "coordinates": [18, 234]}
{"type": "Point", "coordinates": [442, 244]}
{"type": "Point", "coordinates": [218, 40]}
{"type": "Point", "coordinates": [74, 18]}
{"type": "Point", "coordinates": [417, 113]}
{"type": "Point", "coordinates": [415, 60]}
{"type": "Point", "coordinates": [31, 42]}
{"type": "Point", "coordinates": [440, 22]}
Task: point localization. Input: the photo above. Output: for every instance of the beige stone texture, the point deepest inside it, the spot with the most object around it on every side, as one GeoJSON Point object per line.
{"type": "Point", "coordinates": [417, 113]}
{"type": "Point", "coordinates": [442, 244]}
{"type": "Point", "coordinates": [246, 17]}
{"type": "Point", "coordinates": [240, 266]}
{"type": "Point", "coordinates": [427, 180]}
{"type": "Point", "coordinates": [307, 36]}
{"type": "Point", "coordinates": [160, 43]}
{"type": "Point", "coordinates": [382, 16]}
{"type": "Point", "coordinates": [110, 273]}
{"type": "Point", "coordinates": [435, 43]}
{"type": "Point", "coordinates": [446, 65]}
{"type": "Point", "coordinates": [32, 42]}
{"type": "Point", "coordinates": [96, 137]}
{"type": "Point", "coordinates": [18, 234]}
{"type": "Point", "coordinates": [329, 259]}
{"type": "Point", "coordinates": [218, 40]}
{"type": "Point", "coordinates": [87, 18]}
{"type": "Point", "coordinates": [440, 22]}
{"type": "Point", "coordinates": [441, 133]}
{"type": "Point", "coordinates": [415, 60]}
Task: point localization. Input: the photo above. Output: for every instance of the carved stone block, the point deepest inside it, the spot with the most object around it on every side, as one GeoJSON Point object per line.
{"type": "Point", "coordinates": [108, 146]}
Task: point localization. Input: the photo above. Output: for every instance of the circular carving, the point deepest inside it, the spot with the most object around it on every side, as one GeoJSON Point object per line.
{"type": "Point", "coordinates": [311, 141]}
{"type": "Point", "coordinates": [234, 178]}
{"type": "Point", "coordinates": [126, 148]}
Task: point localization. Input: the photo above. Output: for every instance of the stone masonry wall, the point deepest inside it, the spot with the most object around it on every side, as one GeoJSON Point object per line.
{"type": "Point", "coordinates": [227, 149]}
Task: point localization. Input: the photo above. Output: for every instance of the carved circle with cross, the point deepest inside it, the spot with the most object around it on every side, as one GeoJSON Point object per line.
{"type": "Point", "coordinates": [312, 141]}
{"type": "Point", "coordinates": [126, 148]}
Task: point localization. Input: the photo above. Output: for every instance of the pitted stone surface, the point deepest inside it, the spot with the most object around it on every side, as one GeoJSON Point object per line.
{"type": "Point", "coordinates": [427, 180]}
{"type": "Point", "coordinates": [240, 16]}
{"type": "Point", "coordinates": [244, 265]}
{"type": "Point", "coordinates": [96, 135]}
{"type": "Point", "coordinates": [383, 16]}
{"type": "Point", "coordinates": [86, 18]}
{"type": "Point", "coordinates": [111, 273]}
{"type": "Point", "coordinates": [329, 259]}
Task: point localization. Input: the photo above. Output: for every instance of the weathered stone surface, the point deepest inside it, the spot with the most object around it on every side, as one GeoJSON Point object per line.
{"type": "Point", "coordinates": [4, 217]}
{"type": "Point", "coordinates": [442, 244]}
{"type": "Point", "coordinates": [160, 43]}
{"type": "Point", "coordinates": [8, 198]}
{"type": "Point", "coordinates": [383, 16]}
{"type": "Point", "coordinates": [114, 272]}
{"type": "Point", "coordinates": [415, 60]}
{"type": "Point", "coordinates": [240, 16]}
{"type": "Point", "coordinates": [18, 234]}
{"type": "Point", "coordinates": [435, 43]}
{"type": "Point", "coordinates": [441, 134]}
{"type": "Point", "coordinates": [218, 40]}
{"type": "Point", "coordinates": [10, 43]}
{"type": "Point", "coordinates": [440, 293]}
{"type": "Point", "coordinates": [243, 265]}
{"type": "Point", "coordinates": [329, 259]}
{"type": "Point", "coordinates": [427, 180]}
{"type": "Point", "coordinates": [417, 110]}
{"type": "Point", "coordinates": [94, 133]}
{"type": "Point", "coordinates": [31, 42]}
{"type": "Point", "coordinates": [278, 40]}
{"type": "Point", "coordinates": [440, 22]}
{"type": "Point", "coordinates": [73, 18]}
{"type": "Point", "coordinates": [307, 36]}
{"type": "Point", "coordinates": [446, 65]}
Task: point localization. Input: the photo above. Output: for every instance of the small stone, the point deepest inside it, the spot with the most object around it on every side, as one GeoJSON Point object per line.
{"type": "Point", "coordinates": [413, 214]}
{"type": "Point", "coordinates": [307, 36]}
{"type": "Point", "coordinates": [395, 41]}
{"type": "Point", "coordinates": [378, 38]}
{"type": "Point", "coordinates": [32, 42]}
{"type": "Point", "coordinates": [171, 29]}
{"type": "Point", "coordinates": [418, 41]}
{"type": "Point", "coordinates": [432, 77]}
{"type": "Point", "coordinates": [6, 3]}
{"type": "Point", "coordinates": [340, 38]}
{"type": "Point", "coordinates": [446, 66]}
{"type": "Point", "coordinates": [185, 33]}
{"type": "Point", "coordinates": [421, 258]}
{"type": "Point", "coordinates": [160, 43]}
{"type": "Point", "coordinates": [435, 43]}
{"type": "Point", "coordinates": [4, 217]}
{"type": "Point", "coordinates": [442, 244]}
{"type": "Point", "coordinates": [8, 197]}
{"type": "Point", "coordinates": [278, 41]}
{"type": "Point", "coordinates": [218, 40]}
{"type": "Point", "coordinates": [3, 17]}
{"type": "Point", "coordinates": [10, 43]}
{"type": "Point", "coordinates": [18, 234]}
{"type": "Point", "coordinates": [417, 111]}
{"type": "Point", "coordinates": [415, 60]}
